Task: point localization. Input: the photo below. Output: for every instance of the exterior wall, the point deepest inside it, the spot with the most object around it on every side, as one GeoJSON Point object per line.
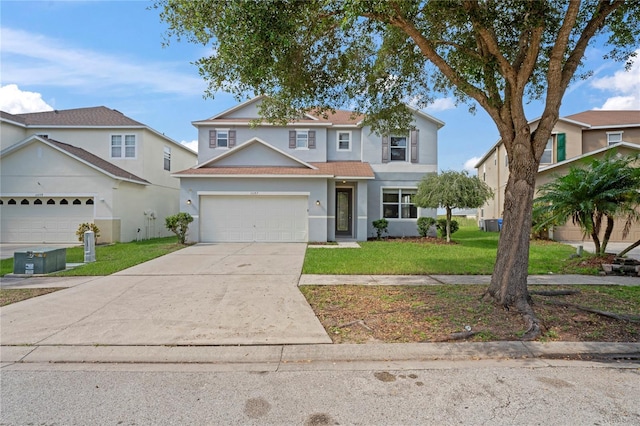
{"type": "Point", "coordinates": [596, 139]}
{"type": "Point", "coordinates": [10, 134]}
{"type": "Point", "coordinates": [275, 136]}
{"type": "Point", "coordinates": [359, 214]}
{"type": "Point", "coordinates": [317, 189]}
{"type": "Point", "coordinates": [332, 145]}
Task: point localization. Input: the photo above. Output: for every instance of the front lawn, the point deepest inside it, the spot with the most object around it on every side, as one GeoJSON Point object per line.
{"type": "Point", "coordinates": [473, 252]}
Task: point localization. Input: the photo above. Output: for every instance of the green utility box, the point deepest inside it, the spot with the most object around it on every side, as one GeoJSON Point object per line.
{"type": "Point", "coordinates": [39, 260]}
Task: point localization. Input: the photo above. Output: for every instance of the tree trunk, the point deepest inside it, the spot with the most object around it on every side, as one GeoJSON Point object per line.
{"type": "Point", "coordinates": [448, 224]}
{"type": "Point", "coordinates": [607, 234]}
{"type": "Point", "coordinates": [595, 232]}
{"type": "Point", "coordinates": [628, 249]}
{"type": "Point", "coordinates": [509, 280]}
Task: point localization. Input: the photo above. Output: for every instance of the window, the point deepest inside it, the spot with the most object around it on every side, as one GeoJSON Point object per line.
{"type": "Point", "coordinates": [12, 201]}
{"type": "Point", "coordinates": [506, 160]}
{"type": "Point", "coordinates": [398, 204]}
{"type": "Point", "coordinates": [76, 202]}
{"type": "Point", "coordinates": [344, 141]}
{"type": "Point", "coordinates": [222, 139]}
{"type": "Point", "coordinates": [484, 172]}
{"type": "Point", "coordinates": [24, 202]}
{"type": "Point", "coordinates": [302, 139]}
{"type": "Point", "coordinates": [547, 155]}
{"type": "Point", "coordinates": [89, 202]}
{"type": "Point", "coordinates": [495, 158]}
{"type": "Point", "coordinates": [118, 150]}
{"type": "Point", "coordinates": [167, 158]}
{"type": "Point", "coordinates": [50, 201]}
{"type": "Point", "coordinates": [398, 148]}
{"type": "Point", "coordinates": [63, 202]}
{"type": "Point", "coordinates": [614, 137]}
{"type": "Point", "coordinates": [38, 201]}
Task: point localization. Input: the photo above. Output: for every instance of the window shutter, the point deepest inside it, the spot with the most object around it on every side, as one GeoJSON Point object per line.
{"type": "Point", "coordinates": [212, 139]}
{"type": "Point", "coordinates": [292, 139]}
{"type": "Point", "coordinates": [232, 138]}
{"type": "Point", "coordinates": [385, 148]}
{"type": "Point", "coordinates": [414, 146]}
{"type": "Point", "coordinates": [312, 139]}
{"type": "Point", "coordinates": [561, 140]}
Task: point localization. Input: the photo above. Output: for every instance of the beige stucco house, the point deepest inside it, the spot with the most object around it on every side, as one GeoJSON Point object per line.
{"type": "Point", "coordinates": [574, 140]}
{"type": "Point", "coordinates": [62, 168]}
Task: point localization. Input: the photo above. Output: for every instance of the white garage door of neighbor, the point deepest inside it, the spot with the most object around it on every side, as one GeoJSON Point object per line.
{"type": "Point", "coordinates": [240, 218]}
{"type": "Point", "coordinates": [43, 223]}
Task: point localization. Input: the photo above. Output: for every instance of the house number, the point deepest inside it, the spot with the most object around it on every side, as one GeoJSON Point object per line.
{"type": "Point", "coordinates": [254, 193]}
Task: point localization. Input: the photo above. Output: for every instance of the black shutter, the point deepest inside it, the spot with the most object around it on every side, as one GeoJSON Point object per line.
{"type": "Point", "coordinates": [232, 138]}
{"type": "Point", "coordinates": [292, 139]}
{"type": "Point", "coordinates": [414, 146]}
{"type": "Point", "coordinates": [385, 148]}
{"type": "Point", "coordinates": [312, 139]}
{"type": "Point", "coordinates": [212, 139]}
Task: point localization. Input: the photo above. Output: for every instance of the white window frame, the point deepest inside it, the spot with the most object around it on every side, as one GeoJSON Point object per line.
{"type": "Point", "coordinates": [506, 160]}
{"type": "Point", "coordinates": [399, 204]}
{"type": "Point", "coordinates": [609, 136]}
{"type": "Point", "coordinates": [343, 132]}
{"type": "Point", "coordinates": [125, 139]}
{"type": "Point", "coordinates": [399, 148]}
{"type": "Point", "coordinates": [166, 158]}
{"type": "Point", "coordinates": [548, 148]}
{"type": "Point", "coordinates": [300, 135]}
{"type": "Point", "coordinates": [218, 138]}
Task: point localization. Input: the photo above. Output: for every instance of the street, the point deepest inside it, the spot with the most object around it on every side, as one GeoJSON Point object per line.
{"type": "Point", "coordinates": [495, 392]}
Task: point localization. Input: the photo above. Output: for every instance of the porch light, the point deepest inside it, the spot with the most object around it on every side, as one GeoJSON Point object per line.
{"type": "Point", "coordinates": [188, 202]}
{"type": "Point", "coordinates": [317, 202]}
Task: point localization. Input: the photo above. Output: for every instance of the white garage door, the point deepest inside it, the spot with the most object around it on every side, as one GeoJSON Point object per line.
{"type": "Point", "coordinates": [43, 223]}
{"type": "Point", "coordinates": [240, 218]}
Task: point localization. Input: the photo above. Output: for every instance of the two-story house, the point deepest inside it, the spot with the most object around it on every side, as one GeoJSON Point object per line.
{"type": "Point", "coordinates": [63, 168]}
{"type": "Point", "coordinates": [575, 139]}
{"type": "Point", "coordinates": [316, 179]}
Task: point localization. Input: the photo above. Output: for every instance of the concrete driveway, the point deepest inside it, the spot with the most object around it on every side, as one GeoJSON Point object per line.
{"type": "Point", "coordinates": [207, 294]}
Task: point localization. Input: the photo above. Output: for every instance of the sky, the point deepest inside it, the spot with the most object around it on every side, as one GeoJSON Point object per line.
{"type": "Point", "coordinates": [75, 54]}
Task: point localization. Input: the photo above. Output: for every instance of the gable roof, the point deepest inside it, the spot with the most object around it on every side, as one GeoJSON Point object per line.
{"type": "Point", "coordinates": [83, 156]}
{"type": "Point", "coordinates": [332, 169]}
{"type": "Point", "coordinates": [246, 145]}
{"type": "Point", "coordinates": [607, 118]}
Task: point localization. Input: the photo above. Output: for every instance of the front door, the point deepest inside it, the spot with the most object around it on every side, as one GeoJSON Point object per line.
{"type": "Point", "coordinates": [344, 212]}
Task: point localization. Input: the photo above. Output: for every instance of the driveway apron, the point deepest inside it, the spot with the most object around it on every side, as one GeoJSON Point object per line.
{"type": "Point", "coordinates": [206, 294]}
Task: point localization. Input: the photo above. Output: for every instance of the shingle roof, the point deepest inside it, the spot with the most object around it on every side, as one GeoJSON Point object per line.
{"type": "Point", "coordinates": [12, 117]}
{"type": "Point", "coordinates": [96, 161]}
{"type": "Point", "coordinates": [340, 117]}
{"type": "Point", "coordinates": [607, 117]}
{"type": "Point", "coordinates": [354, 169]}
{"type": "Point", "coordinates": [81, 117]}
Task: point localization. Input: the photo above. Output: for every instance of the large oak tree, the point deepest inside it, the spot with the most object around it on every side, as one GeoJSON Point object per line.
{"type": "Point", "coordinates": [373, 55]}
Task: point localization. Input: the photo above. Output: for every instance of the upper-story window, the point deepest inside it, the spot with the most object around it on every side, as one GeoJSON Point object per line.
{"type": "Point", "coordinates": [344, 141]}
{"type": "Point", "coordinates": [614, 137]}
{"type": "Point", "coordinates": [302, 139]}
{"type": "Point", "coordinates": [547, 155]}
{"type": "Point", "coordinates": [222, 138]}
{"type": "Point", "coordinates": [398, 203]}
{"type": "Point", "coordinates": [123, 146]}
{"type": "Point", "coordinates": [167, 158]}
{"type": "Point", "coordinates": [398, 147]}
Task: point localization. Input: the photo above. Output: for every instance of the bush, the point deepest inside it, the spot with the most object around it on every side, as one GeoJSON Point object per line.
{"type": "Point", "coordinates": [381, 226]}
{"type": "Point", "coordinates": [179, 225]}
{"type": "Point", "coordinates": [84, 227]}
{"type": "Point", "coordinates": [442, 227]}
{"type": "Point", "coordinates": [424, 223]}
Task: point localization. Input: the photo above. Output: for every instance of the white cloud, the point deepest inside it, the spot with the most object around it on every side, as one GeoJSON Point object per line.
{"type": "Point", "coordinates": [16, 101]}
{"type": "Point", "coordinates": [625, 84]}
{"type": "Point", "coordinates": [192, 144]}
{"type": "Point", "coordinates": [31, 58]}
{"type": "Point", "coordinates": [441, 104]}
{"type": "Point", "coordinates": [470, 164]}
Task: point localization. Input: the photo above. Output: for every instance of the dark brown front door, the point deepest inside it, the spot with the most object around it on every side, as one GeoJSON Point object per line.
{"type": "Point", "coordinates": [344, 212]}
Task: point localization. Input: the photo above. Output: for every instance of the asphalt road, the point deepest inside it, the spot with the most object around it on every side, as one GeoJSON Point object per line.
{"type": "Point", "coordinates": [470, 392]}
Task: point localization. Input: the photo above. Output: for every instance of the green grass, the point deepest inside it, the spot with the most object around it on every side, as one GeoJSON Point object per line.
{"type": "Point", "coordinates": [111, 258]}
{"type": "Point", "coordinates": [474, 254]}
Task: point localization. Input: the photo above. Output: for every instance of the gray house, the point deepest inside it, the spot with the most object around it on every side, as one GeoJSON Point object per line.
{"type": "Point", "coordinates": [316, 179]}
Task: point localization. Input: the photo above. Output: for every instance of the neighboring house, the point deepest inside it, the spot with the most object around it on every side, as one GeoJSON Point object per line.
{"type": "Point", "coordinates": [316, 179]}
{"type": "Point", "coordinates": [575, 139]}
{"type": "Point", "coordinates": [63, 168]}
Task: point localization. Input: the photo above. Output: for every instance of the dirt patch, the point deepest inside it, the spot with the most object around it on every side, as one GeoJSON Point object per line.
{"type": "Point", "coordinates": [418, 240]}
{"type": "Point", "coordinates": [13, 295]}
{"type": "Point", "coordinates": [364, 314]}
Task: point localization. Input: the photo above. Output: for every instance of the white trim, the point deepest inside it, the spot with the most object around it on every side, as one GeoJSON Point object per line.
{"type": "Point", "coordinates": [237, 107]}
{"type": "Point", "coordinates": [317, 217]}
{"type": "Point", "coordinates": [614, 126]}
{"type": "Point", "coordinates": [248, 143]}
{"type": "Point", "coordinates": [254, 193]}
{"type": "Point", "coordinates": [363, 217]}
{"type": "Point", "coordinates": [354, 178]}
{"type": "Point", "coordinates": [231, 176]}
{"type": "Point", "coordinates": [264, 123]}
{"type": "Point", "coordinates": [123, 147]}
{"type": "Point", "coordinates": [619, 132]}
{"type": "Point", "coordinates": [350, 133]}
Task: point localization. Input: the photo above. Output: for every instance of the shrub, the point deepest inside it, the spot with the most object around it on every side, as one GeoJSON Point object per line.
{"type": "Point", "coordinates": [442, 227]}
{"type": "Point", "coordinates": [84, 227]}
{"type": "Point", "coordinates": [424, 223]}
{"type": "Point", "coordinates": [179, 225]}
{"type": "Point", "coordinates": [381, 226]}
